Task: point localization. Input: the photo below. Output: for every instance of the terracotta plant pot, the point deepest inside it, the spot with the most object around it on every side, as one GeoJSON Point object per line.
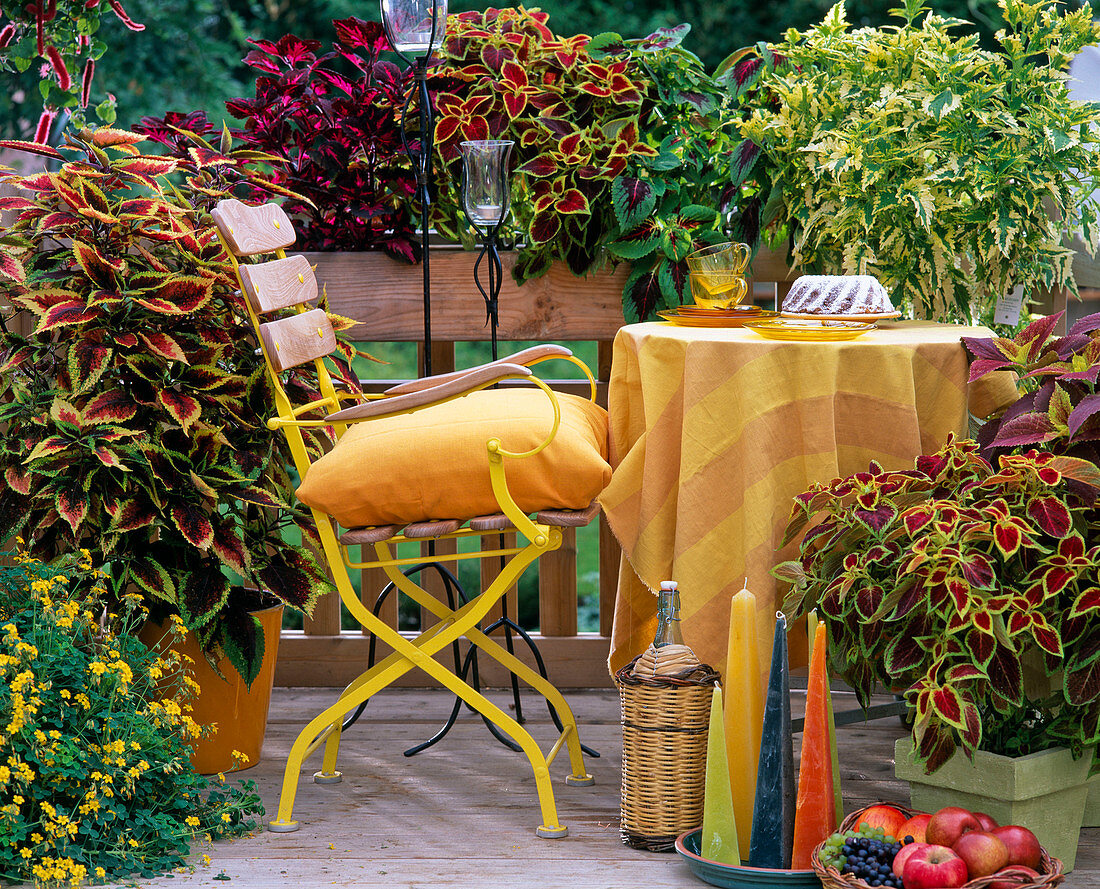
{"type": "Point", "coordinates": [238, 713]}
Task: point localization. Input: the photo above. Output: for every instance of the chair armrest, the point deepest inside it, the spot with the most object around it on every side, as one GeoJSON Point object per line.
{"type": "Point", "coordinates": [453, 387]}
{"type": "Point", "coordinates": [525, 357]}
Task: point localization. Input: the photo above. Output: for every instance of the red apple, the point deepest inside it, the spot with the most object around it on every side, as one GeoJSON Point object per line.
{"type": "Point", "coordinates": [934, 867]}
{"type": "Point", "coordinates": [988, 822]}
{"type": "Point", "coordinates": [948, 824]}
{"type": "Point", "coordinates": [903, 856]}
{"type": "Point", "coordinates": [915, 827]}
{"type": "Point", "coordinates": [1022, 845]}
{"type": "Point", "coordinates": [1015, 876]}
{"type": "Point", "coordinates": [983, 853]}
{"type": "Point", "coordinates": [884, 816]}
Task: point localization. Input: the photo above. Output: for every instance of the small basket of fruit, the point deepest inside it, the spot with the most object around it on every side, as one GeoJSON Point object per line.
{"type": "Point", "coordinates": [899, 848]}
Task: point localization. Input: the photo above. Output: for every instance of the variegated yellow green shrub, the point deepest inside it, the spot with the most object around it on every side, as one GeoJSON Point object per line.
{"type": "Point", "coordinates": [952, 173]}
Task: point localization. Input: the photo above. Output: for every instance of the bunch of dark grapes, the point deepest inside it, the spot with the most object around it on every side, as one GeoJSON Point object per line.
{"type": "Point", "coordinates": [871, 860]}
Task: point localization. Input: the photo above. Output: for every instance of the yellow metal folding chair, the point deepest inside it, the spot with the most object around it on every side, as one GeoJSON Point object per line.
{"type": "Point", "coordinates": [279, 292]}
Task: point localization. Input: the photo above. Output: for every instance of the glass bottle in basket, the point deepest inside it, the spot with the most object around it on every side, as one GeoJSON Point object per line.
{"type": "Point", "coordinates": [667, 654]}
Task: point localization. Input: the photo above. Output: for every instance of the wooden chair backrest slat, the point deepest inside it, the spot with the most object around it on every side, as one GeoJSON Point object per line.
{"type": "Point", "coordinates": [289, 342]}
{"type": "Point", "coordinates": [278, 284]}
{"type": "Point", "coordinates": [251, 230]}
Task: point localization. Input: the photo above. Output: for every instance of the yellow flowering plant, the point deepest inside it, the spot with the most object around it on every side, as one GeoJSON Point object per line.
{"type": "Point", "coordinates": [95, 777]}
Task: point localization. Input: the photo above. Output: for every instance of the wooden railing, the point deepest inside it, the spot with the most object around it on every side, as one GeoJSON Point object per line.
{"type": "Point", "coordinates": [387, 298]}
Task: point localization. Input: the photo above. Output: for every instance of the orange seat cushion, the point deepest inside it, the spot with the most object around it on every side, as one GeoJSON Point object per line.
{"type": "Point", "coordinates": [433, 464]}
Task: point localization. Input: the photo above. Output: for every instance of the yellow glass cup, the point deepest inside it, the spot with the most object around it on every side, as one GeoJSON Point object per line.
{"type": "Point", "coordinates": [717, 290]}
{"type": "Point", "coordinates": [728, 257]}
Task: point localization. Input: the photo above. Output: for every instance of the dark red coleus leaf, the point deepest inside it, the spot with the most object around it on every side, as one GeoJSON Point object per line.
{"type": "Point", "coordinates": [72, 506]}
{"type": "Point", "coordinates": [179, 296]}
{"type": "Point", "coordinates": [936, 747]}
{"type": "Point", "coordinates": [243, 641]}
{"type": "Point", "coordinates": [230, 549]}
{"type": "Point", "coordinates": [203, 593]}
{"type": "Point", "coordinates": [291, 577]}
{"type": "Point", "coordinates": [129, 515]}
{"type": "Point", "coordinates": [113, 406]}
{"type": "Point", "coordinates": [1050, 514]}
{"type": "Point", "coordinates": [948, 705]}
{"type": "Point", "coordinates": [1005, 675]}
{"type": "Point", "coordinates": [194, 524]}
{"type": "Point", "coordinates": [903, 654]}
{"type": "Point", "coordinates": [978, 571]}
{"type": "Point", "coordinates": [184, 409]}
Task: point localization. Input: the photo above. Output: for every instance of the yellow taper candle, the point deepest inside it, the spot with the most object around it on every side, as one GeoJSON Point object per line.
{"type": "Point", "coordinates": [719, 823]}
{"type": "Point", "coordinates": [744, 711]}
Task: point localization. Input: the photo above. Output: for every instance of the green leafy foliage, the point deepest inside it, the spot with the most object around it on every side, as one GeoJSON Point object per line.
{"type": "Point", "coordinates": [670, 202]}
{"type": "Point", "coordinates": [60, 35]}
{"type": "Point", "coordinates": [950, 172]}
{"type": "Point", "coordinates": [971, 589]}
{"type": "Point", "coordinates": [96, 781]}
{"type": "Point", "coordinates": [135, 410]}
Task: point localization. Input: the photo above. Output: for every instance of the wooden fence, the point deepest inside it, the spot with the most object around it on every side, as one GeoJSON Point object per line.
{"type": "Point", "coordinates": [387, 298]}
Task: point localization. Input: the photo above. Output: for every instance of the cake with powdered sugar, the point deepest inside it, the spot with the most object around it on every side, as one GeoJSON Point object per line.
{"type": "Point", "coordinates": [837, 295]}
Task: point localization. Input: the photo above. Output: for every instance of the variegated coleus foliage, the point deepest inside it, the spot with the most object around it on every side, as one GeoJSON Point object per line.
{"type": "Point", "coordinates": [946, 582]}
{"type": "Point", "coordinates": [332, 122]}
{"type": "Point", "coordinates": [952, 173]}
{"type": "Point", "coordinates": [135, 410]}
{"type": "Point", "coordinates": [1059, 410]}
{"type": "Point", "coordinates": [575, 121]}
{"type": "Point", "coordinates": [675, 200]}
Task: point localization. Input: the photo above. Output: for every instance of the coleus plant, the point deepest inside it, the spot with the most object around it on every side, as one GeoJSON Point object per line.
{"type": "Point", "coordinates": [949, 583]}
{"type": "Point", "coordinates": [60, 36]}
{"type": "Point", "coordinates": [575, 121]}
{"type": "Point", "coordinates": [1059, 409]}
{"type": "Point", "coordinates": [134, 410]}
{"type": "Point", "coordinates": [672, 201]}
{"type": "Point", "coordinates": [331, 124]}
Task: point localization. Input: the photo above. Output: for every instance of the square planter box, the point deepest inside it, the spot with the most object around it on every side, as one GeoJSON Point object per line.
{"type": "Point", "coordinates": [1044, 792]}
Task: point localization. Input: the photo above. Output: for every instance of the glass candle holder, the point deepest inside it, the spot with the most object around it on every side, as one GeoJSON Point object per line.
{"type": "Point", "coordinates": [415, 27]}
{"type": "Point", "coordinates": [485, 191]}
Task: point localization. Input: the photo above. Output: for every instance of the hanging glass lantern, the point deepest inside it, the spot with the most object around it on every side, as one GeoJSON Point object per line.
{"type": "Point", "coordinates": [415, 27]}
{"type": "Point", "coordinates": [485, 189]}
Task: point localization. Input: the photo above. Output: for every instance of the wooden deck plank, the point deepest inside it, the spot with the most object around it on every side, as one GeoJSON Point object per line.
{"type": "Point", "coordinates": [463, 813]}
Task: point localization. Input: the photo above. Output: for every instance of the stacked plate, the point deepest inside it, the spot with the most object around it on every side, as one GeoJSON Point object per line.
{"type": "Point", "coordinates": [700, 316]}
{"type": "Point", "coordinates": [816, 330]}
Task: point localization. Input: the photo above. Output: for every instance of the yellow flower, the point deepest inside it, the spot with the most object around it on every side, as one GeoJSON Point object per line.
{"type": "Point", "coordinates": [133, 842]}
{"type": "Point", "coordinates": [205, 859]}
{"type": "Point", "coordinates": [100, 873]}
{"type": "Point", "coordinates": [226, 817]}
{"type": "Point", "coordinates": [26, 852]}
{"type": "Point", "coordinates": [191, 821]}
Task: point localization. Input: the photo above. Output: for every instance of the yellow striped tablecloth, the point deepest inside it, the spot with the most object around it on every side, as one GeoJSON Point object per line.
{"type": "Point", "coordinates": [715, 430]}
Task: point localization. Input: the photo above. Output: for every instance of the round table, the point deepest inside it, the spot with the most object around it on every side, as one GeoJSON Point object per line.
{"type": "Point", "coordinates": [715, 430]}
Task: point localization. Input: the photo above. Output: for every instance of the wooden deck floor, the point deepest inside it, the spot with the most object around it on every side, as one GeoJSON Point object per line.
{"type": "Point", "coordinates": [463, 814]}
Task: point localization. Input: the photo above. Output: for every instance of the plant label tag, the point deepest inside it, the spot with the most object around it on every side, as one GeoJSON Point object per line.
{"type": "Point", "coordinates": [1009, 306]}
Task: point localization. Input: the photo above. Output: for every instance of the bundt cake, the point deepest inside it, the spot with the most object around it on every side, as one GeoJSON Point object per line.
{"type": "Point", "coordinates": [837, 295]}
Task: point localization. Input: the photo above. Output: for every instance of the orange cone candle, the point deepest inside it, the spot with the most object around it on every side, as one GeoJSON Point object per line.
{"type": "Point", "coordinates": [811, 628]}
{"type": "Point", "coordinates": [744, 694]}
{"type": "Point", "coordinates": [815, 810]}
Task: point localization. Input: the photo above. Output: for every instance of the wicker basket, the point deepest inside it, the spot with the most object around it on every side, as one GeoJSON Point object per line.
{"type": "Point", "coordinates": [665, 721]}
{"type": "Point", "coordinates": [831, 878]}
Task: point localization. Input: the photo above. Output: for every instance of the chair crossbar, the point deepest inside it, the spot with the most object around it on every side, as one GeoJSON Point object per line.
{"type": "Point", "coordinates": [278, 284]}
